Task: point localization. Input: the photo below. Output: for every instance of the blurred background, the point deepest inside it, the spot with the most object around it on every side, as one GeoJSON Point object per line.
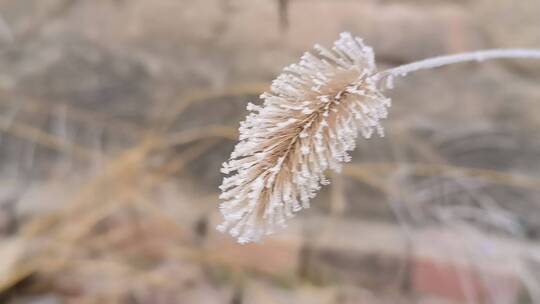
{"type": "Point", "coordinates": [117, 114]}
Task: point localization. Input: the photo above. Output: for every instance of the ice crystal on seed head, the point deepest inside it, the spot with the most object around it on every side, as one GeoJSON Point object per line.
{"type": "Point", "coordinates": [308, 122]}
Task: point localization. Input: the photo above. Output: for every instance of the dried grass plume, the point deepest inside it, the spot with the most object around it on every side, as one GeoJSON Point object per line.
{"type": "Point", "coordinates": [308, 122]}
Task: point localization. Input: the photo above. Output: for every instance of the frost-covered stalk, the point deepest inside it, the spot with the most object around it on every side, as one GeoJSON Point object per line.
{"type": "Point", "coordinates": [308, 123]}
{"type": "Point", "coordinates": [439, 61]}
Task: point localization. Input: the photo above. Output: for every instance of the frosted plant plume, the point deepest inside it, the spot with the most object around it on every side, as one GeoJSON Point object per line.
{"type": "Point", "coordinates": [308, 123]}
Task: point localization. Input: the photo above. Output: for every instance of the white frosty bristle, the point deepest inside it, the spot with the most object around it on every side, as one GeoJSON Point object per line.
{"type": "Point", "coordinates": [307, 124]}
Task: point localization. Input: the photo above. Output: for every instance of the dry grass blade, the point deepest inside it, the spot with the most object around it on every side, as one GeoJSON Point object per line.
{"type": "Point", "coordinates": [47, 140]}
{"type": "Point", "coordinates": [492, 176]}
{"type": "Point", "coordinates": [87, 117]}
{"type": "Point", "coordinates": [96, 201]}
{"type": "Point", "coordinates": [184, 137]}
{"type": "Point", "coordinates": [205, 94]}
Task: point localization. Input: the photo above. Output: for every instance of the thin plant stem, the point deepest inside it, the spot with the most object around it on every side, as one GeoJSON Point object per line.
{"type": "Point", "coordinates": [439, 61]}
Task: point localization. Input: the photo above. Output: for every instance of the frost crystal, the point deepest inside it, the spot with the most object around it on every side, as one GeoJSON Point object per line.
{"type": "Point", "coordinates": [307, 124]}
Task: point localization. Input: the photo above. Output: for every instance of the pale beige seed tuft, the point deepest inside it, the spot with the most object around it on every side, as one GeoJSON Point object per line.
{"type": "Point", "coordinates": [308, 122]}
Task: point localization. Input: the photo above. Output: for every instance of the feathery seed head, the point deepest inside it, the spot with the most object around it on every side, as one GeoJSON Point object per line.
{"type": "Point", "coordinates": [308, 122]}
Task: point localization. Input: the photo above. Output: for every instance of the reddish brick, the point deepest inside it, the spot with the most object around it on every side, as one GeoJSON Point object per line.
{"type": "Point", "coordinates": [459, 282]}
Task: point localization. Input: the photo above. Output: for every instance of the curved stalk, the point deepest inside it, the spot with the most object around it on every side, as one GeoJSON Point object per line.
{"type": "Point", "coordinates": [439, 61]}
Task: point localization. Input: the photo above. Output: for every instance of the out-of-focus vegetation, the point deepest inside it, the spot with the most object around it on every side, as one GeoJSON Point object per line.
{"type": "Point", "coordinates": [115, 117]}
